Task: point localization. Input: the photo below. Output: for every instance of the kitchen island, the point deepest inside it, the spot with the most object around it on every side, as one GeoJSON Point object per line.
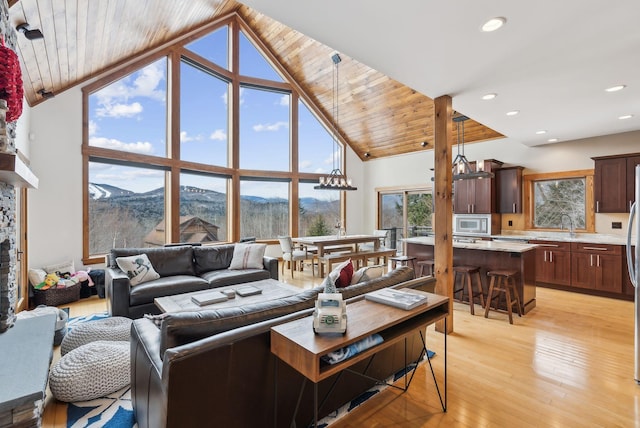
{"type": "Point", "coordinates": [488, 255]}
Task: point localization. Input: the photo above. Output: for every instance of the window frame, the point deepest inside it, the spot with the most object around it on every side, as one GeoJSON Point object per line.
{"type": "Point", "coordinates": [529, 181]}
{"type": "Point", "coordinates": [175, 53]}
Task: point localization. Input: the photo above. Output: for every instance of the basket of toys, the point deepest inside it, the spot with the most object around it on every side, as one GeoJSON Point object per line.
{"type": "Point", "coordinates": [54, 291]}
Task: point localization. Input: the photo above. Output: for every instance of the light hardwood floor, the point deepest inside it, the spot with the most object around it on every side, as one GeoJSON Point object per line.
{"type": "Point", "coordinates": [568, 363]}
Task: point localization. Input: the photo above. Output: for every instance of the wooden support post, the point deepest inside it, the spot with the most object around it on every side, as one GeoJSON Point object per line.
{"type": "Point", "coordinates": [443, 201]}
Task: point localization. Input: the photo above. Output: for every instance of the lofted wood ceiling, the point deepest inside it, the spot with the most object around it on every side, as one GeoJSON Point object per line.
{"type": "Point", "coordinates": [378, 116]}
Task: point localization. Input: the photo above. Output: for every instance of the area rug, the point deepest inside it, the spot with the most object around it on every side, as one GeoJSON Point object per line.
{"type": "Point", "coordinates": [334, 416]}
{"type": "Point", "coordinates": [113, 411]}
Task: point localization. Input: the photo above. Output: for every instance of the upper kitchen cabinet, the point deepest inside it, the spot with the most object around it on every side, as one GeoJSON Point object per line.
{"type": "Point", "coordinates": [614, 184]}
{"type": "Point", "coordinates": [476, 196]}
{"type": "Point", "coordinates": [509, 190]}
{"type": "Point", "coordinates": [632, 161]}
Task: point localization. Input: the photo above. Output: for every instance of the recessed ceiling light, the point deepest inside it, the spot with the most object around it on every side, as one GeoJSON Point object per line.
{"type": "Point", "coordinates": [626, 116]}
{"type": "Point", "coordinates": [489, 96]}
{"type": "Point", "coordinates": [513, 112]}
{"type": "Point", "coordinates": [616, 88]}
{"type": "Point", "coordinates": [542, 131]}
{"type": "Point", "coordinates": [493, 24]}
{"type": "Point", "coordinates": [552, 140]}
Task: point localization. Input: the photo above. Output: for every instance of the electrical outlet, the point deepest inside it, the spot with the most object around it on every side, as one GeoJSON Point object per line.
{"type": "Point", "coordinates": [510, 223]}
{"type": "Point", "coordinates": [616, 225]}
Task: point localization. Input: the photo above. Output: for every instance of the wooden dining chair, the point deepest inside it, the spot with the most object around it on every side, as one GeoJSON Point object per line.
{"type": "Point", "coordinates": [293, 256]}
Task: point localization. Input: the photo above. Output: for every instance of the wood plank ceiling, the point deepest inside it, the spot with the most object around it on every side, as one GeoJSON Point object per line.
{"type": "Point", "coordinates": [378, 116]}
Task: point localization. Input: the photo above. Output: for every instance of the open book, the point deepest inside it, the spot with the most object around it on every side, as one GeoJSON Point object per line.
{"type": "Point", "coordinates": [403, 299]}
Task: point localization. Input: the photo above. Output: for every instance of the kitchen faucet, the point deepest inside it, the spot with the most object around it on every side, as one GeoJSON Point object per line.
{"type": "Point", "coordinates": [572, 233]}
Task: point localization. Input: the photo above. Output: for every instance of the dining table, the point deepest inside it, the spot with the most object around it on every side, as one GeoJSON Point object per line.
{"type": "Point", "coordinates": [323, 243]}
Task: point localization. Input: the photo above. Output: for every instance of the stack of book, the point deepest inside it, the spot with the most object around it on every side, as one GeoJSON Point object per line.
{"type": "Point", "coordinates": [404, 299]}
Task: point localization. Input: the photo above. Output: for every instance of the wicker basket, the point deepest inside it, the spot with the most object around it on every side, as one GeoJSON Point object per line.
{"type": "Point", "coordinates": [56, 296]}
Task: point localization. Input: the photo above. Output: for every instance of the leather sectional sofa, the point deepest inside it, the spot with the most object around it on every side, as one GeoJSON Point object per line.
{"type": "Point", "coordinates": [215, 367]}
{"type": "Point", "coordinates": [182, 269]}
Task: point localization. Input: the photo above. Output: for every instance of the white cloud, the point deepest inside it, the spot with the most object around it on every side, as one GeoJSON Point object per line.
{"type": "Point", "coordinates": [270, 126]}
{"type": "Point", "coordinates": [143, 147]}
{"type": "Point", "coordinates": [185, 137]}
{"type": "Point", "coordinates": [93, 128]}
{"type": "Point", "coordinates": [284, 100]}
{"type": "Point", "coordinates": [129, 174]}
{"type": "Point", "coordinates": [218, 135]}
{"type": "Point", "coordinates": [334, 156]}
{"type": "Point", "coordinates": [225, 97]}
{"type": "Point", "coordinates": [320, 170]}
{"type": "Point", "coordinates": [305, 164]}
{"type": "Point", "coordinates": [119, 110]}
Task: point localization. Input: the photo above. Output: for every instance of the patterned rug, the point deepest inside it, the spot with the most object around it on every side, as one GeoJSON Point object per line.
{"type": "Point", "coordinates": [334, 416]}
{"type": "Point", "coordinates": [112, 411]}
{"type": "Point", "coordinates": [116, 411]}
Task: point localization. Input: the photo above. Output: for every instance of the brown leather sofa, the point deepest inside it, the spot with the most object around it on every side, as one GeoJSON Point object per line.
{"type": "Point", "coordinates": [215, 367]}
{"type": "Point", "coordinates": [182, 269]}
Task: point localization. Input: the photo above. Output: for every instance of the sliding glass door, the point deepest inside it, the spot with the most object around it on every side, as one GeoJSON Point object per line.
{"type": "Point", "coordinates": [405, 213]}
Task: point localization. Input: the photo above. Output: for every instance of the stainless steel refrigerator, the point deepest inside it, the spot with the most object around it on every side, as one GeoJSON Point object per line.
{"type": "Point", "coordinates": [633, 261]}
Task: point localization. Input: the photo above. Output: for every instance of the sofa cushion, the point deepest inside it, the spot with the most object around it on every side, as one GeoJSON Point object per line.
{"type": "Point", "coordinates": [165, 286]}
{"type": "Point", "coordinates": [138, 268]}
{"type": "Point", "coordinates": [248, 256]}
{"type": "Point", "coordinates": [367, 273]}
{"type": "Point", "coordinates": [396, 276]}
{"type": "Point", "coordinates": [208, 258]}
{"type": "Point", "coordinates": [179, 328]}
{"type": "Point", "coordinates": [167, 261]}
{"type": "Point", "coordinates": [220, 278]}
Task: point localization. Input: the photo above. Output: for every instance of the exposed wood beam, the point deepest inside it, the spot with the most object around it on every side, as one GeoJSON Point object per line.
{"type": "Point", "coordinates": [443, 248]}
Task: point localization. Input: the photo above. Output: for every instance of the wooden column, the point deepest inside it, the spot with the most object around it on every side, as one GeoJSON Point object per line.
{"type": "Point", "coordinates": [443, 201]}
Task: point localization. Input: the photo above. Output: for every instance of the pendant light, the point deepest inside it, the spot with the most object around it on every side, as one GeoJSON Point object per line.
{"type": "Point", "coordinates": [461, 168]}
{"type": "Point", "coordinates": [336, 180]}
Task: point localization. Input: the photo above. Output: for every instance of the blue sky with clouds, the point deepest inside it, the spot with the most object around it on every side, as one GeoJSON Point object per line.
{"type": "Point", "coordinates": [130, 115]}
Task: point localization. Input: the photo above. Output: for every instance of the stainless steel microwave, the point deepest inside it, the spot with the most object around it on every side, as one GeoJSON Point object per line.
{"type": "Point", "coordinates": [472, 224]}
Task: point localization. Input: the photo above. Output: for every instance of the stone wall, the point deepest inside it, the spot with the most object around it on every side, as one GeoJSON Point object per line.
{"type": "Point", "coordinates": [8, 286]}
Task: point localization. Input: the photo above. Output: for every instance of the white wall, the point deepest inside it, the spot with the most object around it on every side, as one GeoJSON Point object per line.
{"type": "Point", "coordinates": [414, 169]}
{"type": "Point", "coordinates": [55, 209]}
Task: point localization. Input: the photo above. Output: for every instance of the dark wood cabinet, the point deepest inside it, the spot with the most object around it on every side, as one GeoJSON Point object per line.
{"type": "Point", "coordinates": [476, 196]}
{"type": "Point", "coordinates": [614, 182]}
{"type": "Point", "coordinates": [596, 267]}
{"type": "Point", "coordinates": [509, 190]}
{"type": "Point", "coordinates": [553, 262]}
{"type": "Point", "coordinates": [610, 185]}
{"type": "Point", "coordinates": [632, 161]}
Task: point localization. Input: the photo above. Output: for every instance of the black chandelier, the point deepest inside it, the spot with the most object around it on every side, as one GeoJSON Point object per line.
{"type": "Point", "coordinates": [336, 180]}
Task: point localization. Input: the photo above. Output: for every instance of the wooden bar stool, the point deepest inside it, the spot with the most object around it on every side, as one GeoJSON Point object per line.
{"type": "Point", "coordinates": [429, 264]}
{"type": "Point", "coordinates": [403, 261]}
{"type": "Point", "coordinates": [465, 273]}
{"type": "Point", "coordinates": [503, 281]}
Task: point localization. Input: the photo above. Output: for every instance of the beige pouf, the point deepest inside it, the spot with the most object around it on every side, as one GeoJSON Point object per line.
{"type": "Point", "coordinates": [112, 328]}
{"type": "Point", "coordinates": [91, 371]}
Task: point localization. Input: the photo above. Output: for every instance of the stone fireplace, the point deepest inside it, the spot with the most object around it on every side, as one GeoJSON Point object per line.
{"type": "Point", "coordinates": [8, 244]}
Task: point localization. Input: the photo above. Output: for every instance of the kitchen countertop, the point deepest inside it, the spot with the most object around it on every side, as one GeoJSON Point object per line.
{"type": "Point", "coordinates": [592, 238]}
{"type": "Point", "coordinates": [509, 247]}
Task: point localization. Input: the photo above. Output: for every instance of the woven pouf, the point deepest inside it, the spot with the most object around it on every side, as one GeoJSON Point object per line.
{"type": "Point", "coordinates": [91, 371]}
{"type": "Point", "coordinates": [112, 328]}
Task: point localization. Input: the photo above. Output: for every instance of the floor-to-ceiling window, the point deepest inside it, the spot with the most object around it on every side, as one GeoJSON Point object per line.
{"type": "Point", "coordinates": [196, 144]}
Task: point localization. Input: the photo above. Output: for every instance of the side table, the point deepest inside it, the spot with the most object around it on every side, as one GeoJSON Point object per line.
{"type": "Point", "coordinates": [296, 344]}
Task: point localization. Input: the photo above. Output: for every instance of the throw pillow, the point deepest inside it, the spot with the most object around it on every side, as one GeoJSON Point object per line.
{"type": "Point", "coordinates": [37, 276]}
{"type": "Point", "coordinates": [339, 277]}
{"type": "Point", "coordinates": [61, 269]}
{"type": "Point", "coordinates": [248, 256]}
{"type": "Point", "coordinates": [138, 268]}
{"type": "Point", "coordinates": [367, 273]}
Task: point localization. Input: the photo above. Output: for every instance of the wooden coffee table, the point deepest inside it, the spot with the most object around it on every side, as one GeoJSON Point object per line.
{"type": "Point", "coordinates": [296, 344]}
{"type": "Point", "coordinates": [271, 290]}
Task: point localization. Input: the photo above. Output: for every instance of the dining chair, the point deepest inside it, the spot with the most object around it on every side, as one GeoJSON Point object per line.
{"type": "Point", "coordinates": [293, 256]}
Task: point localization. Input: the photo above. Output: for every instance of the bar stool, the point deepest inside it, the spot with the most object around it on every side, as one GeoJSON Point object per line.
{"type": "Point", "coordinates": [465, 273]}
{"type": "Point", "coordinates": [403, 261]}
{"type": "Point", "coordinates": [503, 281]}
{"type": "Point", "coordinates": [429, 264]}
